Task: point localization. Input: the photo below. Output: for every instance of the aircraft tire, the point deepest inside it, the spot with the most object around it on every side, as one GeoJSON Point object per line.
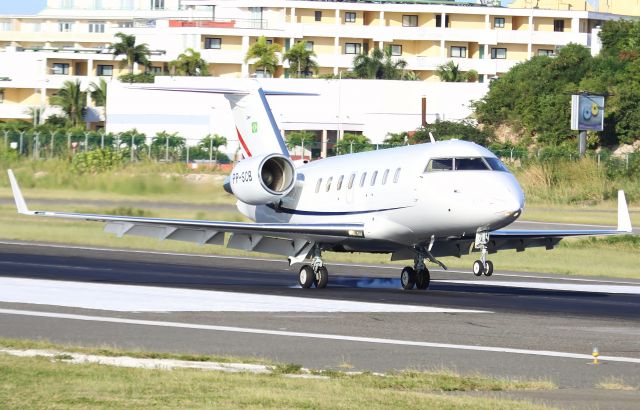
{"type": "Point", "coordinates": [306, 277]}
{"type": "Point", "coordinates": [423, 279]}
{"type": "Point", "coordinates": [488, 271]}
{"type": "Point", "coordinates": [408, 278]}
{"type": "Point", "coordinates": [322, 278]}
{"type": "Point", "coordinates": [478, 268]}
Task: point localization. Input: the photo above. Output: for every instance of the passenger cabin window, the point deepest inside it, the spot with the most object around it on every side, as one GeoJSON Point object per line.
{"type": "Point", "coordinates": [373, 178]}
{"type": "Point", "coordinates": [440, 164]}
{"type": "Point", "coordinates": [384, 176]}
{"type": "Point", "coordinates": [318, 185]}
{"type": "Point", "coordinates": [362, 179]}
{"type": "Point", "coordinates": [470, 164]}
{"type": "Point", "coordinates": [339, 186]}
{"type": "Point", "coordinates": [329, 184]}
{"type": "Point", "coordinates": [396, 177]}
{"type": "Point", "coordinates": [351, 178]}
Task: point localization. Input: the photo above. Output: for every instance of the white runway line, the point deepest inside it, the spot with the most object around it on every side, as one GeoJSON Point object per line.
{"type": "Point", "coordinates": [129, 298]}
{"type": "Point", "coordinates": [572, 287]}
{"type": "Point", "coordinates": [357, 339]}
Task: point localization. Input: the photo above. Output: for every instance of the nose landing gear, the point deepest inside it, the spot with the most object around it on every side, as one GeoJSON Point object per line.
{"type": "Point", "coordinates": [482, 266]}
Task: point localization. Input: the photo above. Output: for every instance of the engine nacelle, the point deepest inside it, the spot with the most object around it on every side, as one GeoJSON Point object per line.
{"type": "Point", "coordinates": [261, 180]}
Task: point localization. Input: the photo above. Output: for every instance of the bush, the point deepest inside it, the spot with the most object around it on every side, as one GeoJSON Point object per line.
{"type": "Point", "coordinates": [96, 161]}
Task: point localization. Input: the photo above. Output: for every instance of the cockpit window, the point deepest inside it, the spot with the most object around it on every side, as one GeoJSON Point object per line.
{"type": "Point", "coordinates": [471, 164]}
{"type": "Point", "coordinates": [440, 164]}
{"type": "Point", "coordinates": [496, 164]}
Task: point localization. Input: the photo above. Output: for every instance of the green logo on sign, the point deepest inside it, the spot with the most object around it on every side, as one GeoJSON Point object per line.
{"type": "Point", "coordinates": [254, 127]}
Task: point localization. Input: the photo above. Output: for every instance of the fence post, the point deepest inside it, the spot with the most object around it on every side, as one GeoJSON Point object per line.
{"type": "Point", "coordinates": [21, 140]}
{"type": "Point", "coordinates": [6, 139]}
{"type": "Point", "coordinates": [351, 148]}
{"type": "Point", "coordinates": [36, 148]}
{"type": "Point", "coordinates": [210, 150]}
{"type": "Point", "coordinates": [187, 153]}
{"type": "Point", "coordinates": [86, 141]}
{"type": "Point", "coordinates": [131, 148]}
{"type": "Point", "coordinates": [598, 160]}
{"type": "Point", "coordinates": [626, 158]}
{"type": "Point", "coordinates": [53, 133]}
{"type": "Point", "coordinates": [102, 140]}
{"type": "Point", "coordinates": [166, 151]}
{"type": "Point", "coordinates": [511, 154]}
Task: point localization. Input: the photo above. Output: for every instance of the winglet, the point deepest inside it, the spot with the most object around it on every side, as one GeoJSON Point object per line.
{"type": "Point", "coordinates": [624, 220]}
{"type": "Point", "coordinates": [17, 195]}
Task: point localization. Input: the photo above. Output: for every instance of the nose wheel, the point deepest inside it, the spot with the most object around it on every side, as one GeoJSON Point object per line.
{"type": "Point", "coordinates": [482, 266]}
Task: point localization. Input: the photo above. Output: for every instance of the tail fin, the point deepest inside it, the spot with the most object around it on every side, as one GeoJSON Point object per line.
{"type": "Point", "coordinates": [256, 128]}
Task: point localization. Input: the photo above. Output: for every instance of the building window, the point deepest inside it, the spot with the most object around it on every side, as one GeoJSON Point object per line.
{"type": "Point", "coordinates": [1, 96]}
{"type": "Point", "coordinates": [66, 4]}
{"type": "Point", "coordinates": [105, 70]}
{"type": "Point", "coordinates": [459, 52]}
{"type": "Point", "coordinates": [65, 26]}
{"type": "Point", "coordinates": [548, 53]}
{"type": "Point", "coordinates": [352, 48]}
{"type": "Point", "coordinates": [396, 50]}
{"type": "Point", "coordinates": [96, 27]}
{"type": "Point", "coordinates": [439, 20]}
{"type": "Point", "coordinates": [126, 4]}
{"type": "Point", "coordinates": [317, 15]}
{"type": "Point", "coordinates": [125, 24]}
{"type": "Point", "coordinates": [60, 69]}
{"type": "Point", "coordinates": [155, 70]}
{"type": "Point", "coordinates": [498, 53]}
{"type": "Point", "coordinates": [308, 45]}
{"type": "Point", "coordinates": [97, 4]}
{"type": "Point", "coordinates": [558, 25]}
{"type": "Point", "coordinates": [157, 4]}
{"type": "Point", "coordinates": [498, 22]}
{"type": "Point", "coordinates": [409, 20]}
{"type": "Point", "coordinates": [212, 43]}
{"type": "Point", "coordinates": [349, 17]}
{"type": "Point", "coordinates": [5, 25]}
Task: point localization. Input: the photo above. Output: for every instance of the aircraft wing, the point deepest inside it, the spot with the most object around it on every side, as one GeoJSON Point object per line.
{"type": "Point", "coordinates": [292, 240]}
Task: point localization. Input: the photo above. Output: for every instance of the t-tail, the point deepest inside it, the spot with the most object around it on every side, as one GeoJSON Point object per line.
{"type": "Point", "coordinates": [256, 128]}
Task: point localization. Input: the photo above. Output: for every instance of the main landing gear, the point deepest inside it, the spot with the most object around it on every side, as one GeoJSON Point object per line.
{"type": "Point", "coordinates": [417, 276]}
{"type": "Point", "coordinates": [482, 266]}
{"type": "Point", "coordinates": [314, 274]}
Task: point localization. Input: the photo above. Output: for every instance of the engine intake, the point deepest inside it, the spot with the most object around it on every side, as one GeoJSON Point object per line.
{"type": "Point", "coordinates": [261, 180]}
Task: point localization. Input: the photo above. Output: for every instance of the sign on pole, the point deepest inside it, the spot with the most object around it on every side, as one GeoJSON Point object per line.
{"type": "Point", "coordinates": [587, 112]}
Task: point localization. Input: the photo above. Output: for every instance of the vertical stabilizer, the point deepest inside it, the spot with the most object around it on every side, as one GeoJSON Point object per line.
{"type": "Point", "coordinates": [255, 126]}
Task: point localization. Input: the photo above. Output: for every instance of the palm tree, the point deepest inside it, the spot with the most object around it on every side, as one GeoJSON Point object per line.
{"type": "Point", "coordinates": [98, 92]}
{"type": "Point", "coordinates": [211, 143]}
{"type": "Point", "coordinates": [72, 100]}
{"type": "Point", "coordinates": [265, 54]}
{"type": "Point", "coordinates": [133, 53]}
{"type": "Point", "coordinates": [450, 73]}
{"type": "Point", "coordinates": [380, 64]}
{"type": "Point", "coordinates": [189, 63]}
{"type": "Point", "coordinates": [301, 63]}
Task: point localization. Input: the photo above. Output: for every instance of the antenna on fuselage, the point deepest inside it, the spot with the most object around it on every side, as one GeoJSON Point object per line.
{"type": "Point", "coordinates": [431, 137]}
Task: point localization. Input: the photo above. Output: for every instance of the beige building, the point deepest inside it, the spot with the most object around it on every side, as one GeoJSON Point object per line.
{"type": "Point", "coordinates": [622, 7]}
{"type": "Point", "coordinates": [70, 39]}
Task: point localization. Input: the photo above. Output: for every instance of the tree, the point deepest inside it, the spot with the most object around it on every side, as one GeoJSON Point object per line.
{"type": "Point", "coordinates": [444, 130]}
{"type": "Point", "coordinates": [351, 143]}
{"type": "Point", "coordinates": [264, 55]}
{"type": "Point", "coordinates": [397, 139]}
{"type": "Point", "coordinates": [300, 138]}
{"type": "Point", "coordinates": [171, 145]}
{"type": "Point", "coordinates": [301, 63]}
{"type": "Point", "coordinates": [450, 73]}
{"type": "Point", "coordinates": [98, 92]}
{"type": "Point", "coordinates": [189, 63]}
{"type": "Point", "coordinates": [72, 100]}
{"type": "Point", "coordinates": [133, 54]}
{"type": "Point", "coordinates": [379, 64]}
{"type": "Point", "coordinates": [211, 143]}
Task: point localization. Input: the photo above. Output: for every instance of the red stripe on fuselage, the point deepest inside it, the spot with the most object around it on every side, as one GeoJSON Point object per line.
{"type": "Point", "coordinates": [244, 146]}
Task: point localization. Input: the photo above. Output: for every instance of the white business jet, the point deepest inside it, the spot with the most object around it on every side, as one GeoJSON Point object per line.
{"type": "Point", "coordinates": [417, 202]}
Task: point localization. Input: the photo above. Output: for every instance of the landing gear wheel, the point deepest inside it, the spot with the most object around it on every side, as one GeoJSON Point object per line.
{"type": "Point", "coordinates": [488, 269]}
{"type": "Point", "coordinates": [423, 279]}
{"type": "Point", "coordinates": [408, 278]}
{"type": "Point", "coordinates": [322, 277]}
{"type": "Point", "coordinates": [306, 277]}
{"type": "Point", "coordinates": [478, 268]}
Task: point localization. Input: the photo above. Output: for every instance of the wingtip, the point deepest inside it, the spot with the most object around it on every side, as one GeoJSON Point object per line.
{"type": "Point", "coordinates": [624, 219]}
{"type": "Point", "coordinates": [17, 194]}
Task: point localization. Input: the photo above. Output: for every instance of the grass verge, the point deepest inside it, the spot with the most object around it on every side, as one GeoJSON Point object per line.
{"type": "Point", "coordinates": [30, 382]}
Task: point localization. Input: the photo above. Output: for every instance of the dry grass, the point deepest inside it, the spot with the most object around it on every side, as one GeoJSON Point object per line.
{"type": "Point", "coordinates": [615, 383]}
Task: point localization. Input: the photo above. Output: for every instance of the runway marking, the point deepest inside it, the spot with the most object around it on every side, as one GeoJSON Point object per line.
{"type": "Point", "coordinates": [131, 298]}
{"type": "Point", "coordinates": [322, 336]}
{"type": "Point", "coordinates": [633, 290]}
{"type": "Point", "coordinates": [49, 265]}
{"type": "Point", "coordinates": [393, 267]}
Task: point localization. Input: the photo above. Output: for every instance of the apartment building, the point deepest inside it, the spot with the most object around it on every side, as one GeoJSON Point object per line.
{"type": "Point", "coordinates": [70, 39]}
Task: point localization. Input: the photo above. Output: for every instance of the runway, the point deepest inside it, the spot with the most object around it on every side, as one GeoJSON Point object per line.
{"type": "Point", "coordinates": [510, 325]}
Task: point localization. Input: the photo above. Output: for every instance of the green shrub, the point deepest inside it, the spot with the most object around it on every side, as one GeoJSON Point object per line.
{"type": "Point", "coordinates": [96, 161]}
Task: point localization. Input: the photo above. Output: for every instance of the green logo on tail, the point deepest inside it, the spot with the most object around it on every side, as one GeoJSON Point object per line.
{"type": "Point", "coordinates": [254, 127]}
